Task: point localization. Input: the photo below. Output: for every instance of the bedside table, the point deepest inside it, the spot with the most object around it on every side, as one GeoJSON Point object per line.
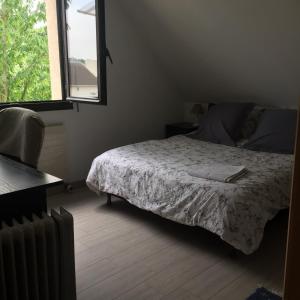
{"type": "Point", "coordinates": [179, 128]}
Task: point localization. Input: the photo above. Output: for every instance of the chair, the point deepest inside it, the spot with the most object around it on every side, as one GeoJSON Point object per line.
{"type": "Point", "coordinates": [21, 135]}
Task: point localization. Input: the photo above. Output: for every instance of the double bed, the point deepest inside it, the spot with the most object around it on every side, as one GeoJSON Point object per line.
{"type": "Point", "coordinates": [154, 176]}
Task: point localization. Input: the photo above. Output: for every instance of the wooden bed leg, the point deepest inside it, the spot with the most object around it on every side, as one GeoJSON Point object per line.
{"type": "Point", "coordinates": [108, 201]}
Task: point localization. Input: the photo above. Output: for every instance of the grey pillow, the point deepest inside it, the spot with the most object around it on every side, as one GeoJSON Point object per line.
{"type": "Point", "coordinates": [251, 122]}
{"type": "Point", "coordinates": [275, 132]}
{"type": "Point", "coordinates": [222, 123]}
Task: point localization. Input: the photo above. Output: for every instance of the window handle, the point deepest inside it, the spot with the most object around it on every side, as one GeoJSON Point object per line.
{"type": "Point", "coordinates": [107, 54]}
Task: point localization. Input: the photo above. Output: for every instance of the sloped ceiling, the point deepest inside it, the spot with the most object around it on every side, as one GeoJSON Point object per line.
{"type": "Point", "coordinates": [218, 50]}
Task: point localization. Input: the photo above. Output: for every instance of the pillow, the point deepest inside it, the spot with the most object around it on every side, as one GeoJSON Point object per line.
{"type": "Point", "coordinates": [251, 122]}
{"type": "Point", "coordinates": [250, 125]}
{"type": "Point", "coordinates": [275, 132]}
{"type": "Point", "coordinates": [222, 123]}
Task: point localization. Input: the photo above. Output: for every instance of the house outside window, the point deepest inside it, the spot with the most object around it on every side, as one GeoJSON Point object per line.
{"type": "Point", "coordinates": [83, 74]}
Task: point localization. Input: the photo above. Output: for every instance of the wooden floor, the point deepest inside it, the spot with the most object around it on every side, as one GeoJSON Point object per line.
{"type": "Point", "coordinates": [125, 253]}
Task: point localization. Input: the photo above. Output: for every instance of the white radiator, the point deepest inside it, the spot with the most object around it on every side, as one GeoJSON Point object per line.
{"type": "Point", "coordinates": [53, 158]}
{"type": "Point", "coordinates": [37, 258]}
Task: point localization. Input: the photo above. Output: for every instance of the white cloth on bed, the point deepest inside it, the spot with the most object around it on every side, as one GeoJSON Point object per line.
{"type": "Point", "coordinates": [151, 176]}
{"type": "Point", "coordinates": [217, 172]}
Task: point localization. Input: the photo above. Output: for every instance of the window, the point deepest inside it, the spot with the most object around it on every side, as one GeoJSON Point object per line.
{"type": "Point", "coordinates": [85, 50]}
{"type": "Point", "coordinates": [41, 54]}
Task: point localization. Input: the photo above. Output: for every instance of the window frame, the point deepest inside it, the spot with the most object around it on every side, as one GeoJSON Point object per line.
{"type": "Point", "coordinates": [45, 105]}
{"type": "Point", "coordinates": [101, 54]}
{"type": "Point", "coordinates": [67, 102]}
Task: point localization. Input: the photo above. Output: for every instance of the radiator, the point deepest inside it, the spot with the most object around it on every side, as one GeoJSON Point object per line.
{"type": "Point", "coordinates": [53, 158]}
{"type": "Point", "coordinates": [37, 258]}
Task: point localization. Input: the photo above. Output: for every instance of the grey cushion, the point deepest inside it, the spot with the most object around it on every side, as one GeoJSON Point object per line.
{"type": "Point", "coordinates": [275, 132]}
{"type": "Point", "coordinates": [251, 122]}
{"type": "Point", "coordinates": [222, 123]}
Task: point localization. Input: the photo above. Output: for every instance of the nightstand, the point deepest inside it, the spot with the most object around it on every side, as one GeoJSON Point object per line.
{"type": "Point", "coordinates": [179, 128]}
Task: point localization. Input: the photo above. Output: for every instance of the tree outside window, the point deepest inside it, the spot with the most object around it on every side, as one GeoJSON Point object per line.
{"type": "Point", "coordinates": [24, 57]}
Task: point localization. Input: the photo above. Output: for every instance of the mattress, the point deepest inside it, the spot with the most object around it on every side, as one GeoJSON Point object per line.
{"type": "Point", "coordinates": [153, 176]}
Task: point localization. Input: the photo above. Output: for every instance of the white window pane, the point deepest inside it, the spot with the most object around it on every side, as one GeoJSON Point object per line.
{"type": "Point", "coordinates": [82, 48]}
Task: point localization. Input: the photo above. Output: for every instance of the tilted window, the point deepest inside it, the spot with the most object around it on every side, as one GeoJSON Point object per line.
{"type": "Point", "coordinates": [83, 26]}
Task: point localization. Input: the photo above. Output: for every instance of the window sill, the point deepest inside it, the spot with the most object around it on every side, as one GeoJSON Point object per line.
{"type": "Point", "coordinates": [41, 106]}
{"type": "Point", "coordinates": [86, 100]}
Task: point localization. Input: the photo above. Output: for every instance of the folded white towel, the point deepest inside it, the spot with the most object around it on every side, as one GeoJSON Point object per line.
{"type": "Point", "coordinates": [217, 172]}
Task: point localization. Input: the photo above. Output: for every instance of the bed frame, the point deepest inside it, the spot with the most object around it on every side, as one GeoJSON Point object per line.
{"type": "Point", "coordinates": [108, 198]}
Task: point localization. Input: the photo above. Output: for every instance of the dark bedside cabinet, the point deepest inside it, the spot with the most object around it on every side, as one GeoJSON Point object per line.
{"type": "Point", "coordinates": [179, 128]}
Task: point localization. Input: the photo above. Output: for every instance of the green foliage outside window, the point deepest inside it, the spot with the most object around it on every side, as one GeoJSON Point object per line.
{"type": "Point", "coordinates": [24, 59]}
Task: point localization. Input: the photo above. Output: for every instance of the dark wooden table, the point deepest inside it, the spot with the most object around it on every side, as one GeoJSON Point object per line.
{"type": "Point", "coordinates": [23, 190]}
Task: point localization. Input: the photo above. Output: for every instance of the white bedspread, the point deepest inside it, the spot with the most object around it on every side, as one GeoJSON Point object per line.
{"type": "Point", "coordinates": [152, 176]}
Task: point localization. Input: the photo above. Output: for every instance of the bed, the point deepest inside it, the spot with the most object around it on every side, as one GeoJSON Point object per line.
{"type": "Point", "coordinates": [153, 176]}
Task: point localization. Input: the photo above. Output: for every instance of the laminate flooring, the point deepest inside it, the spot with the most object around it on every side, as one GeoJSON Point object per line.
{"type": "Point", "coordinates": [123, 252]}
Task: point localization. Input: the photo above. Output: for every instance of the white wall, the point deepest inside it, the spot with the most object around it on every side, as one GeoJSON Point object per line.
{"type": "Point", "coordinates": [225, 50]}
{"type": "Point", "coordinates": [141, 100]}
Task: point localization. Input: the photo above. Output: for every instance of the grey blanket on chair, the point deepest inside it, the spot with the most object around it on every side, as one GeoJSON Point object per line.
{"type": "Point", "coordinates": [21, 134]}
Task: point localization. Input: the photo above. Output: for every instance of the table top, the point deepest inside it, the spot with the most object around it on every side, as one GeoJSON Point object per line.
{"type": "Point", "coordinates": [16, 177]}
